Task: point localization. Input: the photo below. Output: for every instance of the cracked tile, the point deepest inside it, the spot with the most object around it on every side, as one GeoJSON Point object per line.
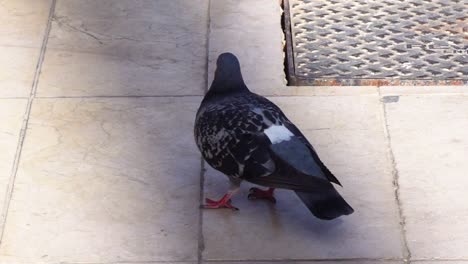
{"type": "Point", "coordinates": [106, 180]}
{"type": "Point", "coordinates": [11, 116]}
{"type": "Point", "coordinates": [348, 135]}
{"type": "Point", "coordinates": [126, 47]}
{"type": "Point", "coordinates": [429, 141]}
{"type": "Point", "coordinates": [23, 22]}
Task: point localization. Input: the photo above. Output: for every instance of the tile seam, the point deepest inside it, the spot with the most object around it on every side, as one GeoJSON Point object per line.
{"type": "Point", "coordinates": [24, 127]}
{"type": "Point", "coordinates": [201, 237]}
{"type": "Point", "coordinates": [396, 182]}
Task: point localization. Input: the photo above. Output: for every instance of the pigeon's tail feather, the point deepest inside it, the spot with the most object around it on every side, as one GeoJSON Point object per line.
{"type": "Point", "coordinates": [326, 204]}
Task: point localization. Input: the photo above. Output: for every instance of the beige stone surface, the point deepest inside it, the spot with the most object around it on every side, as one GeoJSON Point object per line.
{"type": "Point", "coordinates": [106, 180]}
{"type": "Point", "coordinates": [11, 116]}
{"type": "Point", "coordinates": [23, 22]}
{"type": "Point", "coordinates": [12, 261]}
{"type": "Point", "coordinates": [348, 134]}
{"type": "Point", "coordinates": [429, 140]}
{"type": "Point", "coordinates": [126, 47]}
{"type": "Point", "coordinates": [17, 68]}
{"type": "Point", "coordinates": [442, 262]}
{"type": "Point", "coordinates": [419, 90]}
{"type": "Point", "coordinates": [346, 261]}
{"type": "Point", "coordinates": [330, 90]}
{"type": "Point", "coordinates": [116, 180]}
{"type": "Point", "coordinates": [22, 29]}
{"type": "Point", "coordinates": [252, 31]}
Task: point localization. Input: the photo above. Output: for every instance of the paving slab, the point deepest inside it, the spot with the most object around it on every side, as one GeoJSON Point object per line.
{"type": "Point", "coordinates": [127, 47]}
{"type": "Point", "coordinates": [331, 90]}
{"type": "Point", "coordinates": [347, 132]}
{"type": "Point", "coordinates": [17, 68]}
{"type": "Point", "coordinates": [252, 31]}
{"type": "Point", "coordinates": [151, 262]}
{"type": "Point", "coordinates": [427, 90]}
{"type": "Point", "coordinates": [440, 262]}
{"type": "Point", "coordinates": [106, 180]}
{"type": "Point", "coordinates": [428, 137]}
{"type": "Point", "coordinates": [310, 262]}
{"type": "Point", "coordinates": [23, 22]}
{"type": "Point", "coordinates": [11, 116]}
{"type": "Point", "coordinates": [22, 29]}
{"type": "Point", "coordinates": [124, 262]}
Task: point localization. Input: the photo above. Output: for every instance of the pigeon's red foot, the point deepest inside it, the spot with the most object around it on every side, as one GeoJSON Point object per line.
{"type": "Point", "coordinates": [224, 202]}
{"type": "Point", "coordinates": [256, 193]}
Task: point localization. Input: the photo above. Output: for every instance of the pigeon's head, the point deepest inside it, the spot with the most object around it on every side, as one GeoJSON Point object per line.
{"type": "Point", "coordinates": [227, 63]}
{"type": "Point", "coordinates": [228, 75]}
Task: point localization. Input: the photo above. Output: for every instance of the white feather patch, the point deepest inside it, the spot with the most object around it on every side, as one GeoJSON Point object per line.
{"type": "Point", "coordinates": [278, 134]}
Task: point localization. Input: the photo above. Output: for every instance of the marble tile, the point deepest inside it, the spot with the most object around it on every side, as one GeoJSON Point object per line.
{"type": "Point", "coordinates": [127, 47]}
{"type": "Point", "coordinates": [17, 68]}
{"type": "Point", "coordinates": [23, 22]}
{"type": "Point", "coordinates": [12, 261]}
{"type": "Point", "coordinates": [11, 115]}
{"type": "Point", "coordinates": [348, 134]}
{"type": "Point", "coordinates": [430, 145]}
{"type": "Point", "coordinates": [316, 262]}
{"type": "Point", "coordinates": [106, 180]}
{"type": "Point", "coordinates": [439, 90]}
{"type": "Point", "coordinates": [252, 31]}
{"type": "Point", "coordinates": [331, 90]}
{"type": "Point", "coordinates": [22, 29]}
{"type": "Point", "coordinates": [441, 262]}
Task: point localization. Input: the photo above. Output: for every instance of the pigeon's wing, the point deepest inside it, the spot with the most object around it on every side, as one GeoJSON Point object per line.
{"type": "Point", "coordinates": [294, 165]}
{"type": "Point", "coordinates": [297, 133]}
{"type": "Point", "coordinates": [259, 162]}
{"type": "Point", "coordinates": [236, 142]}
{"type": "Point", "coordinates": [279, 117]}
{"type": "Point", "coordinates": [295, 169]}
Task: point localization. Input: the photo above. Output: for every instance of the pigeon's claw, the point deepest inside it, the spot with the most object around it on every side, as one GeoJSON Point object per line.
{"type": "Point", "coordinates": [256, 193]}
{"type": "Point", "coordinates": [224, 202]}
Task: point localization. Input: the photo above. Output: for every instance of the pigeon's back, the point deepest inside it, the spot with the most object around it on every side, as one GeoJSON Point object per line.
{"type": "Point", "coordinates": [222, 131]}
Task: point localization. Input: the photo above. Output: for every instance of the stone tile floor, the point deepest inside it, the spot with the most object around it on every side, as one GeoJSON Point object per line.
{"type": "Point", "coordinates": [98, 163]}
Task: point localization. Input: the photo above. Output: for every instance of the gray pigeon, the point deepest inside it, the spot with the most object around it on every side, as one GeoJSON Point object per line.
{"type": "Point", "coordinates": [247, 137]}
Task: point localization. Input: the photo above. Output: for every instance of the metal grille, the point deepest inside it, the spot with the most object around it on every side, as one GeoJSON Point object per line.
{"type": "Point", "coordinates": [344, 40]}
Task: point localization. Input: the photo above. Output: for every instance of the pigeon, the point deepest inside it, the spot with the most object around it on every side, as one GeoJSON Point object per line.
{"type": "Point", "coordinates": [247, 137]}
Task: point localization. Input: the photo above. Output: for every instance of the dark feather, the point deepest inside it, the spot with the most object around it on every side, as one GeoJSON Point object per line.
{"type": "Point", "coordinates": [230, 133]}
{"type": "Point", "coordinates": [326, 204]}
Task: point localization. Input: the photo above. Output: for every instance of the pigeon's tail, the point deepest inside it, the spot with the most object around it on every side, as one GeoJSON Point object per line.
{"type": "Point", "coordinates": [326, 204]}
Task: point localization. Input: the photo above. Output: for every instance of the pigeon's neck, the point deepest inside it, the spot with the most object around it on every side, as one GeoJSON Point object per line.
{"type": "Point", "coordinates": [228, 86]}
{"type": "Point", "coordinates": [223, 87]}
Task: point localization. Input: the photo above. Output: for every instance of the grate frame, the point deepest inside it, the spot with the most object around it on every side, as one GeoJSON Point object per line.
{"type": "Point", "coordinates": [376, 42]}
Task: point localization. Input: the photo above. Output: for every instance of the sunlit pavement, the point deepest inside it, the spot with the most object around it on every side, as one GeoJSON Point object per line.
{"type": "Point", "coordinates": [98, 162]}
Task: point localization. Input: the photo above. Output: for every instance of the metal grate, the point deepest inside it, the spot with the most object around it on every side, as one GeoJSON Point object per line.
{"type": "Point", "coordinates": [361, 42]}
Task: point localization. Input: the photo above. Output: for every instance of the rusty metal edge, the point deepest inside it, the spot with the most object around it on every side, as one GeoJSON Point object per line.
{"type": "Point", "coordinates": [289, 52]}
{"type": "Point", "coordinates": [378, 82]}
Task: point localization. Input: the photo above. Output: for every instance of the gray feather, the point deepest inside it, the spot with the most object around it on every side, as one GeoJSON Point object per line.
{"type": "Point", "coordinates": [297, 155]}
